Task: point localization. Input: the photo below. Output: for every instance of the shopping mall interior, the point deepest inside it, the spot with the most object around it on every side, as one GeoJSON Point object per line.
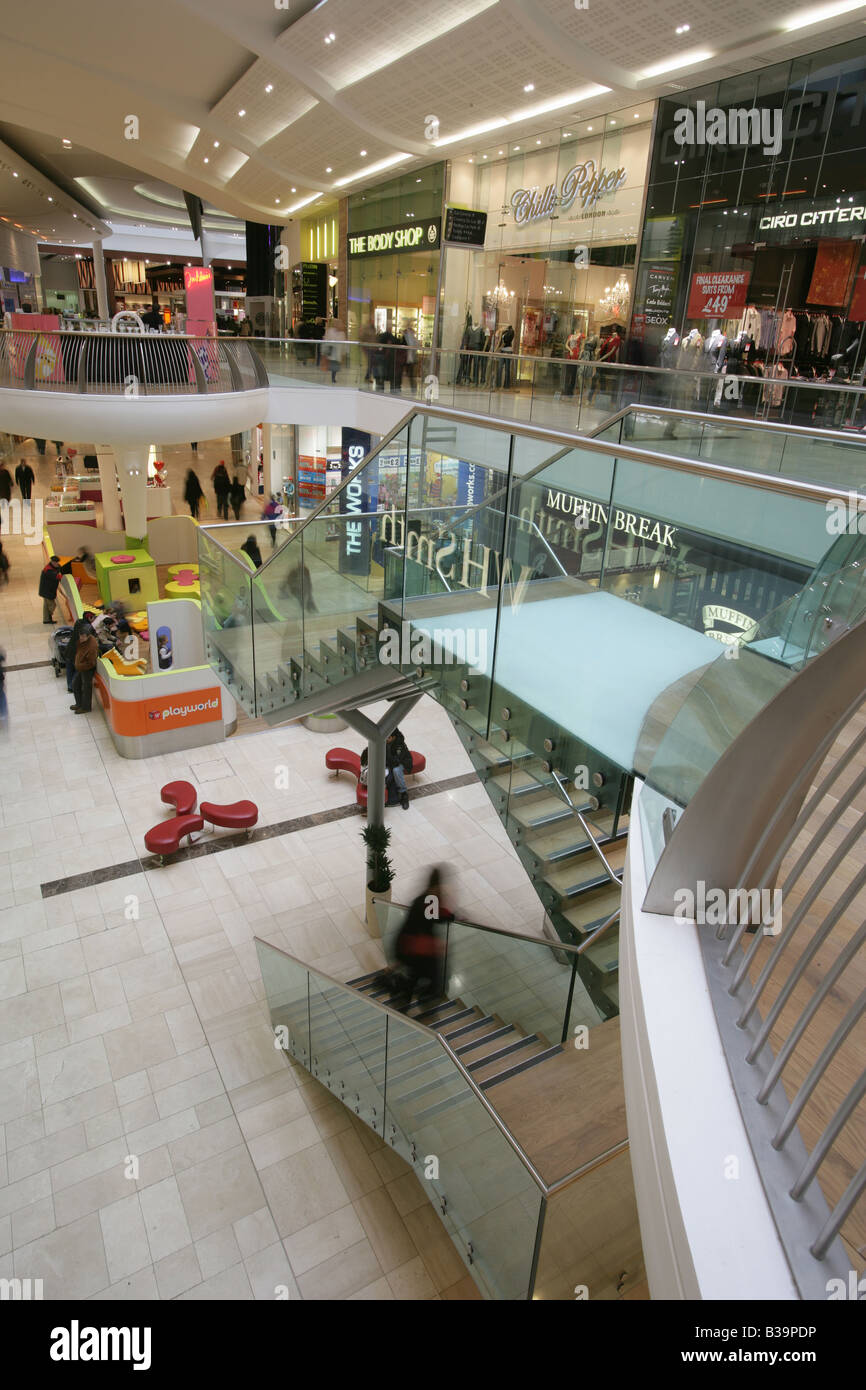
{"type": "Point", "coordinates": [432, 625]}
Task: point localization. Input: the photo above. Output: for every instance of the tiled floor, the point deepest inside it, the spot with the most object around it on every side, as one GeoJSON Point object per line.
{"type": "Point", "coordinates": [153, 1142]}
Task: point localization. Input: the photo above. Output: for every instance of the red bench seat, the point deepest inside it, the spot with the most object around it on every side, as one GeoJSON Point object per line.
{"type": "Point", "coordinates": [181, 795]}
{"type": "Point", "coordinates": [339, 760]}
{"type": "Point", "coordinates": [165, 838]}
{"type": "Point", "coordinates": [239, 815]}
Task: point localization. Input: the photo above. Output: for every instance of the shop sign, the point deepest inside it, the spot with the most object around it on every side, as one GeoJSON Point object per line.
{"type": "Point", "coordinates": [658, 294]}
{"type": "Point", "coordinates": [583, 183]}
{"type": "Point", "coordinates": [359, 498]}
{"type": "Point", "coordinates": [419, 236]}
{"type": "Point", "coordinates": [550, 520]}
{"type": "Point", "coordinates": [471, 484]}
{"type": "Point", "coordinates": [465, 227]}
{"type": "Point", "coordinates": [737, 623]}
{"type": "Point", "coordinates": [717, 294]}
{"type": "Point", "coordinates": [815, 217]}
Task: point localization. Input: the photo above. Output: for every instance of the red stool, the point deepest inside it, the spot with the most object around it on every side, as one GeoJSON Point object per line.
{"type": "Point", "coordinates": [181, 795]}
{"type": "Point", "coordinates": [339, 760]}
{"type": "Point", "coordinates": [165, 838]}
{"type": "Point", "coordinates": [240, 815]}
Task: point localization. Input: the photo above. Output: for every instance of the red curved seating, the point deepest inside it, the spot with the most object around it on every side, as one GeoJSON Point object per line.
{"type": "Point", "coordinates": [339, 760]}
{"type": "Point", "coordinates": [239, 815]}
{"type": "Point", "coordinates": [165, 838]}
{"type": "Point", "coordinates": [181, 795]}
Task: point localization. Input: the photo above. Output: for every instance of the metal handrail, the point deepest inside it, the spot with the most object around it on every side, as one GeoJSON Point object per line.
{"type": "Point", "coordinates": [733, 422]}
{"type": "Point", "coordinates": [599, 931]}
{"type": "Point", "coordinates": [560, 782]}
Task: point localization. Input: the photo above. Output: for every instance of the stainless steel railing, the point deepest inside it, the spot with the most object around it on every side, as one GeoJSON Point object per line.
{"type": "Point", "coordinates": [127, 364]}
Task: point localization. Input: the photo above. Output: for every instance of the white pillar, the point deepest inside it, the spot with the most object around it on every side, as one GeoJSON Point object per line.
{"type": "Point", "coordinates": [203, 242]}
{"type": "Point", "coordinates": [99, 280]}
{"type": "Point", "coordinates": [268, 469]}
{"type": "Point", "coordinates": [111, 517]}
{"type": "Point", "coordinates": [131, 464]}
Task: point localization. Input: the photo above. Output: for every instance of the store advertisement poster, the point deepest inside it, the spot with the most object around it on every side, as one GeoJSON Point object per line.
{"type": "Point", "coordinates": [471, 484]}
{"type": "Point", "coordinates": [355, 445]}
{"type": "Point", "coordinates": [857, 312]}
{"type": "Point", "coordinates": [717, 294]}
{"type": "Point", "coordinates": [357, 500]}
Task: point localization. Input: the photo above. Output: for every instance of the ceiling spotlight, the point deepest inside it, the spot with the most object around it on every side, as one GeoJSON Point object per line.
{"type": "Point", "coordinates": [567, 135]}
{"type": "Point", "coordinates": [471, 160]}
{"type": "Point", "coordinates": [502, 152]}
{"type": "Point", "coordinates": [613, 122]}
{"type": "Point", "coordinates": [329, 38]}
{"type": "Point", "coordinates": [75, 215]}
{"type": "Point", "coordinates": [417, 180]}
{"type": "Point", "coordinates": [538, 142]}
{"type": "Point", "coordinates": [530, 87]}
{"type": "Point", "coordinates": [589, 127]}
{"type": "Point", "coordinates": [270, 87]}
{"type": "Point", "coordinates": [517, 147]}
{"type": "Point", "coordinates": [242, 112]}
{"type": "Point", "coordinates": [67, 142]}
{"type": "Point", "coordinates": [216, 144]}
{"type": "Point", "coordinates": [206, 160]}
{"type": "Point", "coordinates": [293, 190]}
{"type": "Point", "coordinates": [276, 200]}
{"type": "Point", "coordinates": [14, 175]}
{"type": "Point", "coordinates": [363, 153]}
{"type": "Point", "coordinates": [229, 267]}
{"type": "Point", "coordinates": [50, 199]}
{"type": "Point", "coordinates": [637, 115]}
{"type": "Point", "coordinates": [683, 28]}
{"type": "Point", "coordinates": [329, 170]}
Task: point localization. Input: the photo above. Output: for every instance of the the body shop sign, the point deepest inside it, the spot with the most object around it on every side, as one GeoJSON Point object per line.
{"type": "Point", "coordinates": [718, 294]}
{"type": "Point", "coordinates": [413, 236]}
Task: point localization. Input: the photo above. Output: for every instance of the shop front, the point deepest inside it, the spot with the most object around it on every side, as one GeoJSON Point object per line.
{"type": "Point", "coordinates": [752, 248]}
{"type": "Point", "coordinates": [393, 249]}
{"type": "Point", "coordinates": [555, 275]}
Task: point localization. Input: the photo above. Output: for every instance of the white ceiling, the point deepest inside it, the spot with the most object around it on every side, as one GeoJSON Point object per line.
{"type": "Point", "coordinates": [187, 68]}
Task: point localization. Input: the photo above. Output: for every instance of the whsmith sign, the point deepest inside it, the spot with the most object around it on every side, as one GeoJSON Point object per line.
{"type": "Point", "coordinates": [422, 235]}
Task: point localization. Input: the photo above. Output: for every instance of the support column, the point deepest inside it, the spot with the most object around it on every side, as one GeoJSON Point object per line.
{"type": "Point", "coordinates": [131, 466]}
{"type": "Point", "coordinates": [268, 461]}
{"type": "Point", "coordinates": [111, 516]}
{"type": "Point", "coordinates": [204, 243]}
{"type": "Point", "coordinates": [376, 736]}
{"type": "Point", "coordinates": [99, 280]}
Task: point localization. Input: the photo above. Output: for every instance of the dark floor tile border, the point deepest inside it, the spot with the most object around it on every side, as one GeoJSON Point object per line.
{"type": "Point", "coordinates": [29, 666]}
{"type": "Point", "coordinates": [216, 845]}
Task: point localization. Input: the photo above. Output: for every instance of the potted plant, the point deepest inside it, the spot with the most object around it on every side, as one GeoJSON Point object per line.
{"type": "Point", "coordinates": [380, 871]}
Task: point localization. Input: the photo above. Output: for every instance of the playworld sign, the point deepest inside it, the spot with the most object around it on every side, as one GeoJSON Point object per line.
{"type": "Point", "coordinates": [582, 182]}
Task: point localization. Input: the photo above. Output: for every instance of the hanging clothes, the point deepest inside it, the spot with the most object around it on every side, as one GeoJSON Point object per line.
{"type": "Point", "coordinates": [750, 324]}
{"type": "Point", "coordinates": [820, 334]}
{"type": "Point", "coordinates": [787, 333]}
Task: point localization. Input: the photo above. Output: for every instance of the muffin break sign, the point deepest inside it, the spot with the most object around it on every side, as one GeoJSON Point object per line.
{"type": "Point", "coordinates": [584, 182]}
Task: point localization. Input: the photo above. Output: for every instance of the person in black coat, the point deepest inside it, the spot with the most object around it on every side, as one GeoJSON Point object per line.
{"type": "Point", "coordinates": [5, 484]}
{"type": "Point", "coordinates": [237, 497]}
{"type": "Point", "coordinates": [222, 485]}
{"type": "Point", "coordinates": [192, 493]}
{"type": "Point", "coordinates": [25, 478]}
{"type": "Point", "coordinates": [251, 547]}
{"type": "Point", "coordinates": [49, 583]}
{"type": "Point", "coordinates": [418, 951]}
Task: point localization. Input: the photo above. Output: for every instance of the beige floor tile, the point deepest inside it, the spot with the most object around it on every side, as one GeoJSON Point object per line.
{"type": "Point", "coordinates": [270, 1275]}
{"type": "Point", "coordinates": [124, 1238]}
{"type": "Point", "coordinates": [31, 1222]}
{"type": "Point", "coordinates": [70, 1261]}
{"type": "Point", "coordinates": [407, 1193]}
{"type": "Point", "coordinates": [137, 1046]}
{"type": "Point", "coordinates": [411, 1281]}
{"type": "Point", "coordinates": [388, 1164]}
{"type": "Point", "coordinates": [342, 1275]}
{"type": "Point", "coordinates": [302, 1189]}
{"type": "Point", "coordinates": [466, 1290]}
{"type": "Point", "coordinates": [188, 1093]}
{"type": "Point", "coordinates": [352, 1163]}
{"type": "Point", "coordinates": [231, 1286]}
{"type": "Point", "coordinates": [140, 1287]}
{"type": "Point", "coordinates": [219, 1191]}
{"type": "Point", "coordinates": [255, 1232]}
{"type": "Point", "coordinates": [164, 1219]}
{"type": "Point", "coordinates": [323, 1239]}
{"type": "Point", "coordinates": [177, 1273]}
{"type": "Point", "coordinates": [280, 1143]}
{"type": "Point", "coordinates": [247, 1057]}
{"type": "Point", "coordinates": [378, 1292]}
{"type": "Point", "coordinates": [442, 1262]}
{"type": "Point", "coordinates": [217, 1252]}
{"type": "Point", "coordinates": [204, 1143]}
{"type": "Point", "coordinates": [385, 1229]}
{"type": "Point", "coordinates": [271, 1114]}
{"type": "Point", "coordinates": [72, 1070]}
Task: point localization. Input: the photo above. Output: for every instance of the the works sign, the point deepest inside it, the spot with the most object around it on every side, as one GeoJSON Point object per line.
{"type": "Point", "coordinates": [422, 235]}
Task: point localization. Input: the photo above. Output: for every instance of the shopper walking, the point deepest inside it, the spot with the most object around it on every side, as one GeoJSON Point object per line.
{"type": "Point", "coordinates": [25, 478]}
{"type": "Point", "coordinates": [271, 513]}
{"type": "Point", "coordinates": [412, 345]}
{"type": "Point", "coordinates": [4, 565]}
{"type": "Point", "coordinates": [5, 484]}
{"type": "Point", "coordinates": [86, 657]}
{"type": "Point", "coordinates": [79, 626]}
{"type": "Point", "coordinates": [334, 349]}
{"type": "Point", "coordinates": [419, 948]}
{"type": "Point", "coordinates": [49, 583]}
{"type": "Point", "coordinates": [192, 493]}
{"type": "Point", "coordinates": [237, 497]}
{"type": "Point", "coordinates": [251, 547]}
{"type": "Point", "coordinates": [222, 485]}
{"type": "Point", "coordinates": [4, 708]}
{"type": "Point", "coordinates": [367, 336]}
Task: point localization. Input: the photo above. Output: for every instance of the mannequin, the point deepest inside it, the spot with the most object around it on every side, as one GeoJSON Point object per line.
{"type": "Point", "coordinates": [669, 349]}
{"type": "Point", "coordinates": [573, 348]}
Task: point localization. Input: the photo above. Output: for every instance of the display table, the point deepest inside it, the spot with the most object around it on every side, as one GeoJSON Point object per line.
{"type": "Point", "coordinates": [158, 501]}
{"type": "Point", "coordinates": [82, 512]}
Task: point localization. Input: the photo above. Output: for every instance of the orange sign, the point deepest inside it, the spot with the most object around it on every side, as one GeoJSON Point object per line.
{"type": "Point", "coordinates": [137, 718]}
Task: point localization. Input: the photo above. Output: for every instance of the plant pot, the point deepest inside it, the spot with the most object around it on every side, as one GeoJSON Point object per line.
{"type": "Point", "coordinates": [324, 723]}
{"type": "Point", "coordinates": [372, 919]}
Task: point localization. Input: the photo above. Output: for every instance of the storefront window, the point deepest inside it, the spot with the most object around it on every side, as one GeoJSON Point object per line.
{"type": "Point", "coordinates": [557, 268]}
{"type": "Point", "coordinates": [752, 248]}
{"type": "Point", "coordinates": [394, 238]}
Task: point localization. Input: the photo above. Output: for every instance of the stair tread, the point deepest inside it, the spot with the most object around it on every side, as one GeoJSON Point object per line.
{"type": "Point", "coordinates": [587, 866]}
{"type": "Point", "coordinates": [537, 1059]}
{"type": "Point", "coordinates": [591, 909]}
{"type": "Point", "coordinates": [522, 1048]}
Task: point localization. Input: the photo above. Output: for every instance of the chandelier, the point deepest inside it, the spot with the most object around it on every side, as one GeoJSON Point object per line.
{"type": "Point", "coordinates": [615, 299]}
{"type": "Point", "coordinates": [500, 295]}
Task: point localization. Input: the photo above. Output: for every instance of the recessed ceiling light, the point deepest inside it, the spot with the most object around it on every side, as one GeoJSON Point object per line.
{"type": "Point", "coordinates": [14, 175]}
{"type": "Point", "coordinates": [206, 160]}
{"type": "Point", "coordinates": [613, 122]}
{"type": "Point", "coordinates": [502, 152]}
{"type": "Point", "coordinates": [530, 87]}
{"type": "Point", "coordinates": [517, 147]}
{"type": "Point", "coordinates": [242, 112]}
{"type": "Point", "coordinates": [637, 115]}
{"type": "Point", "coordinates": [567, 135]}
{"type": "Point", "coordinates": [216, 144]}
{"type": "Point", "coordinates": [229, 267]}
{"type": "Point", "coordinates": [471, 160]}
{"type": "Point", "coordinates": [589, 127]}
{"type": "Point", "coordinates": [67, 142]}
{"type": "Point", "coordinates": [329, 170]}
{"type": "Point", "coordinates": [683, 28]}
{"type": "Point", "coordinates": [293, 190]}
{"type": "Point", "coordinates": [329, 38]}
{"type": "Point", "coordinates": [363, 153]}
{"type": "Point", "coordinates": [270, 87]}
{"type": "Point", "coordinates": [51, 200]}
{"type": "Point", "coordinates": [686, 60]}
{"type": "Point", "coordinates": [538, 142]}
{"type": "Point", "coordinates": [276, 200]}
{"type": "Point", "coordinates": [417, 180]}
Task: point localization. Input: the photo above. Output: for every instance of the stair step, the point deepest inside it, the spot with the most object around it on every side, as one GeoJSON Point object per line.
{"type": "Point", "coordinates": [485, 1039]}
{"type": "Point", "coordinates": [591, 909]}
{"type": "Point", "coordinates": [548, 811]}
{"type": "Point", "coordinates": [467, 1028]}
{"type": "Point", "coordinates": [519, 1045]}
{"type": "Point", "coordinates": [460, 1098]}
{"type": "Point", "coordinates": [518, 1067]}
{"type": "Point", "coordinates": [581, 871]}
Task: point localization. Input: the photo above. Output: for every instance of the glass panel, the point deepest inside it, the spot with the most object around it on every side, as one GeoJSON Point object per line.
{"type": "Point", "coordinates": [526, 982]}
{"type": "Point", "coordinates": [347, 1045]}
{"type": "Point", "coordinates": [591, 1238]}
{"type": "Point", "coordinates": [286, 984]}
{"type": "Point", "coordinates": [226, 604]}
